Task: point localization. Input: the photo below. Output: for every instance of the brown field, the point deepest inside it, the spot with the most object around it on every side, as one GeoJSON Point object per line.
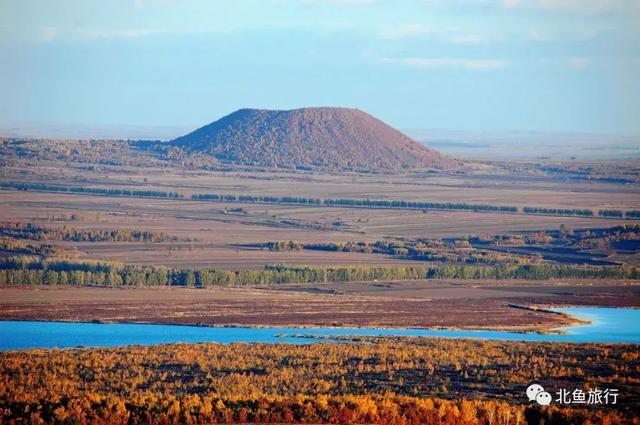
{"type": "Point", "coordinates": [223, 239]}
{"type": "Point", "coordinates": [226, 235]}
{"type": "Point", "coordinates": [483, 185]}
{"type": "Point", "coordinates": [455, 304]}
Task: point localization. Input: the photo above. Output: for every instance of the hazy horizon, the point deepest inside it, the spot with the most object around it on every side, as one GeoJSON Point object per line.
{"type": "Point", "coordinates": [71, 130]}
{"type": "Point", "coordinates": [465, 144]}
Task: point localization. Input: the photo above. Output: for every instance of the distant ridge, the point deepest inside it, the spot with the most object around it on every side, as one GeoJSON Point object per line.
{"type": "Point", "coordinates": [338, 138]}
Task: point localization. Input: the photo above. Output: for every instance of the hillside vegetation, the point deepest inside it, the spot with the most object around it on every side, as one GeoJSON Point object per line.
{"type": "Point", "coordinates": [337, 138]}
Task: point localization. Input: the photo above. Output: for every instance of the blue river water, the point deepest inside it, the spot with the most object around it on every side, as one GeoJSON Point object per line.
{"type": "Point", "coordinates": [613, 325]}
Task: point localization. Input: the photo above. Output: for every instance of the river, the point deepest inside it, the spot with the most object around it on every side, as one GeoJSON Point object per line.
{"type": "Point", "coordinates": [610, 325]}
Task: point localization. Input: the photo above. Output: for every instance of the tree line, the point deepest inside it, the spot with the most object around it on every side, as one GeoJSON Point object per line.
{"type": "Point", "coordinates": [36, 271]}
{"type": "Point", "coordinates": [579, 239]}
{"type": "Point", "coordinates": [558, 211]}
{"type": "Point", "coordinates": [32, 271]}
{"type": "Point", "coordinates": [91, 190]}
{"type": "Point", "coordinates": [456, 252]}
{"type": "Point", "coordinates": [10, 245]}
{"type": "Point", "coordinates": [350, 203]}
{"type": "Point", "coordinates": [354, 203]}
{"type": "Point", "coordinates": [417, 205]}
{"type": "Point", "coordinates": [23, 230]}
{"type": "Point", "coordinates": [611, 213]}
{"type": "Point", "coordinates": [631, 214]}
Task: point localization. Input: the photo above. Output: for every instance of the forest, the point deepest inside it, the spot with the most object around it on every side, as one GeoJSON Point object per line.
{"type": "Point", "coordinates": [476, 249]}
{"type": "Point", "coordinates": [433, 250]}
{"type": "Point", "coordinates": [23, 230]}
{"type": "Point", "coordinates": [30, 270]}
{"type": "Point", "coordinates": [43, 187]}
{"type": "Point", "coordinates": [605, 238]}
{"type": "Point", "coordinates": [378, 380]}
{"type": "Point", "coordinates": [20, 247]}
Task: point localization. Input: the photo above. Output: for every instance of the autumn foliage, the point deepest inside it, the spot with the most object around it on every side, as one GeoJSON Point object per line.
{"type": "Point", "coordinates": [387, 381]}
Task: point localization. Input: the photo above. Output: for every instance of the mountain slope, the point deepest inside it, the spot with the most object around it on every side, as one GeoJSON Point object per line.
{"type": "Point", "coordinates": [313, 137]}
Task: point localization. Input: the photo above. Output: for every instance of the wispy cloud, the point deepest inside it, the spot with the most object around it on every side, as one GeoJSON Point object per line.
{"type": "Point", "coordinates": [145, 3]}
{"type": "Point", "coordinates": [41, 35]}
{"type": "Point", "coordinates": [44, 35]}
{"type": "Point", "coordinates": [429, 63]}
{"type": "Point", "coordinates": [578, 63]}
{"type": "Point", "coordinates": [452, 35]}
{"type": "Point", "coordinates": [587, 7]}
{"type": "Point", "coordinates": [475, 38]}
{"type": "Point", "coordinates": [342, 2]}
{"type": "Point", "coordinates": [404, 30]}
{"type": "Point", "coordinates": [118, 33]}
{"type": "Point", "coordinates": [54, 34]}
{"type": "Point", "coordinates": [571, 63]}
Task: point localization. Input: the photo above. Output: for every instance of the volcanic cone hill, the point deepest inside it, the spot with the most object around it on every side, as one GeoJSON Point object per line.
{"type": "Point", "coordinates": [336, 138]}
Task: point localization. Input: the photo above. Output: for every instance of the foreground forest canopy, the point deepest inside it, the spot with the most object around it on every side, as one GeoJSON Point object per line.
{"type": "Point", "coordinates": [385, 380]}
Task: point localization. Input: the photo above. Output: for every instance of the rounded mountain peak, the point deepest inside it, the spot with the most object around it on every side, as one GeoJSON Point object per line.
{"type": "Point", "coordinates": [327, 137]}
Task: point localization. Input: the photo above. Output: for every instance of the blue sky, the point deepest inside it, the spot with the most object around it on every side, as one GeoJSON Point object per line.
{"type": "Point", "coordinates": [541, 65]}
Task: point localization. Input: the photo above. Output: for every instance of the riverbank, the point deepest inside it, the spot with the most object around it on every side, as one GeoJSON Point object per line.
{"type": "Point", "coordinates": [435, 305]}
{"type": "Point", "coordinates": [604, 327]}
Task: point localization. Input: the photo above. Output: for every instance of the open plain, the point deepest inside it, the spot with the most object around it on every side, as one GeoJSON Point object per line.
{"type": "Point", "coordinates": [417, 304]}
{"type": "Point", "coordinates": [228, 235]}
{"type": "Point", "coordinates": [233, 235]}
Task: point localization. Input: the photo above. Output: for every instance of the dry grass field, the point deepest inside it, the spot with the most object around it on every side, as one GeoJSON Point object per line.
{"type": "Point", "coordinates": [222, 239]}
{"type": "Point", "coordinates": [222, 236]}
{"type": "Point", "coordinates": [482, 185]}
{"type": "Point", "coordinates": [384, 304]}
{"type": "Point", "coordinates": [227, 236]}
